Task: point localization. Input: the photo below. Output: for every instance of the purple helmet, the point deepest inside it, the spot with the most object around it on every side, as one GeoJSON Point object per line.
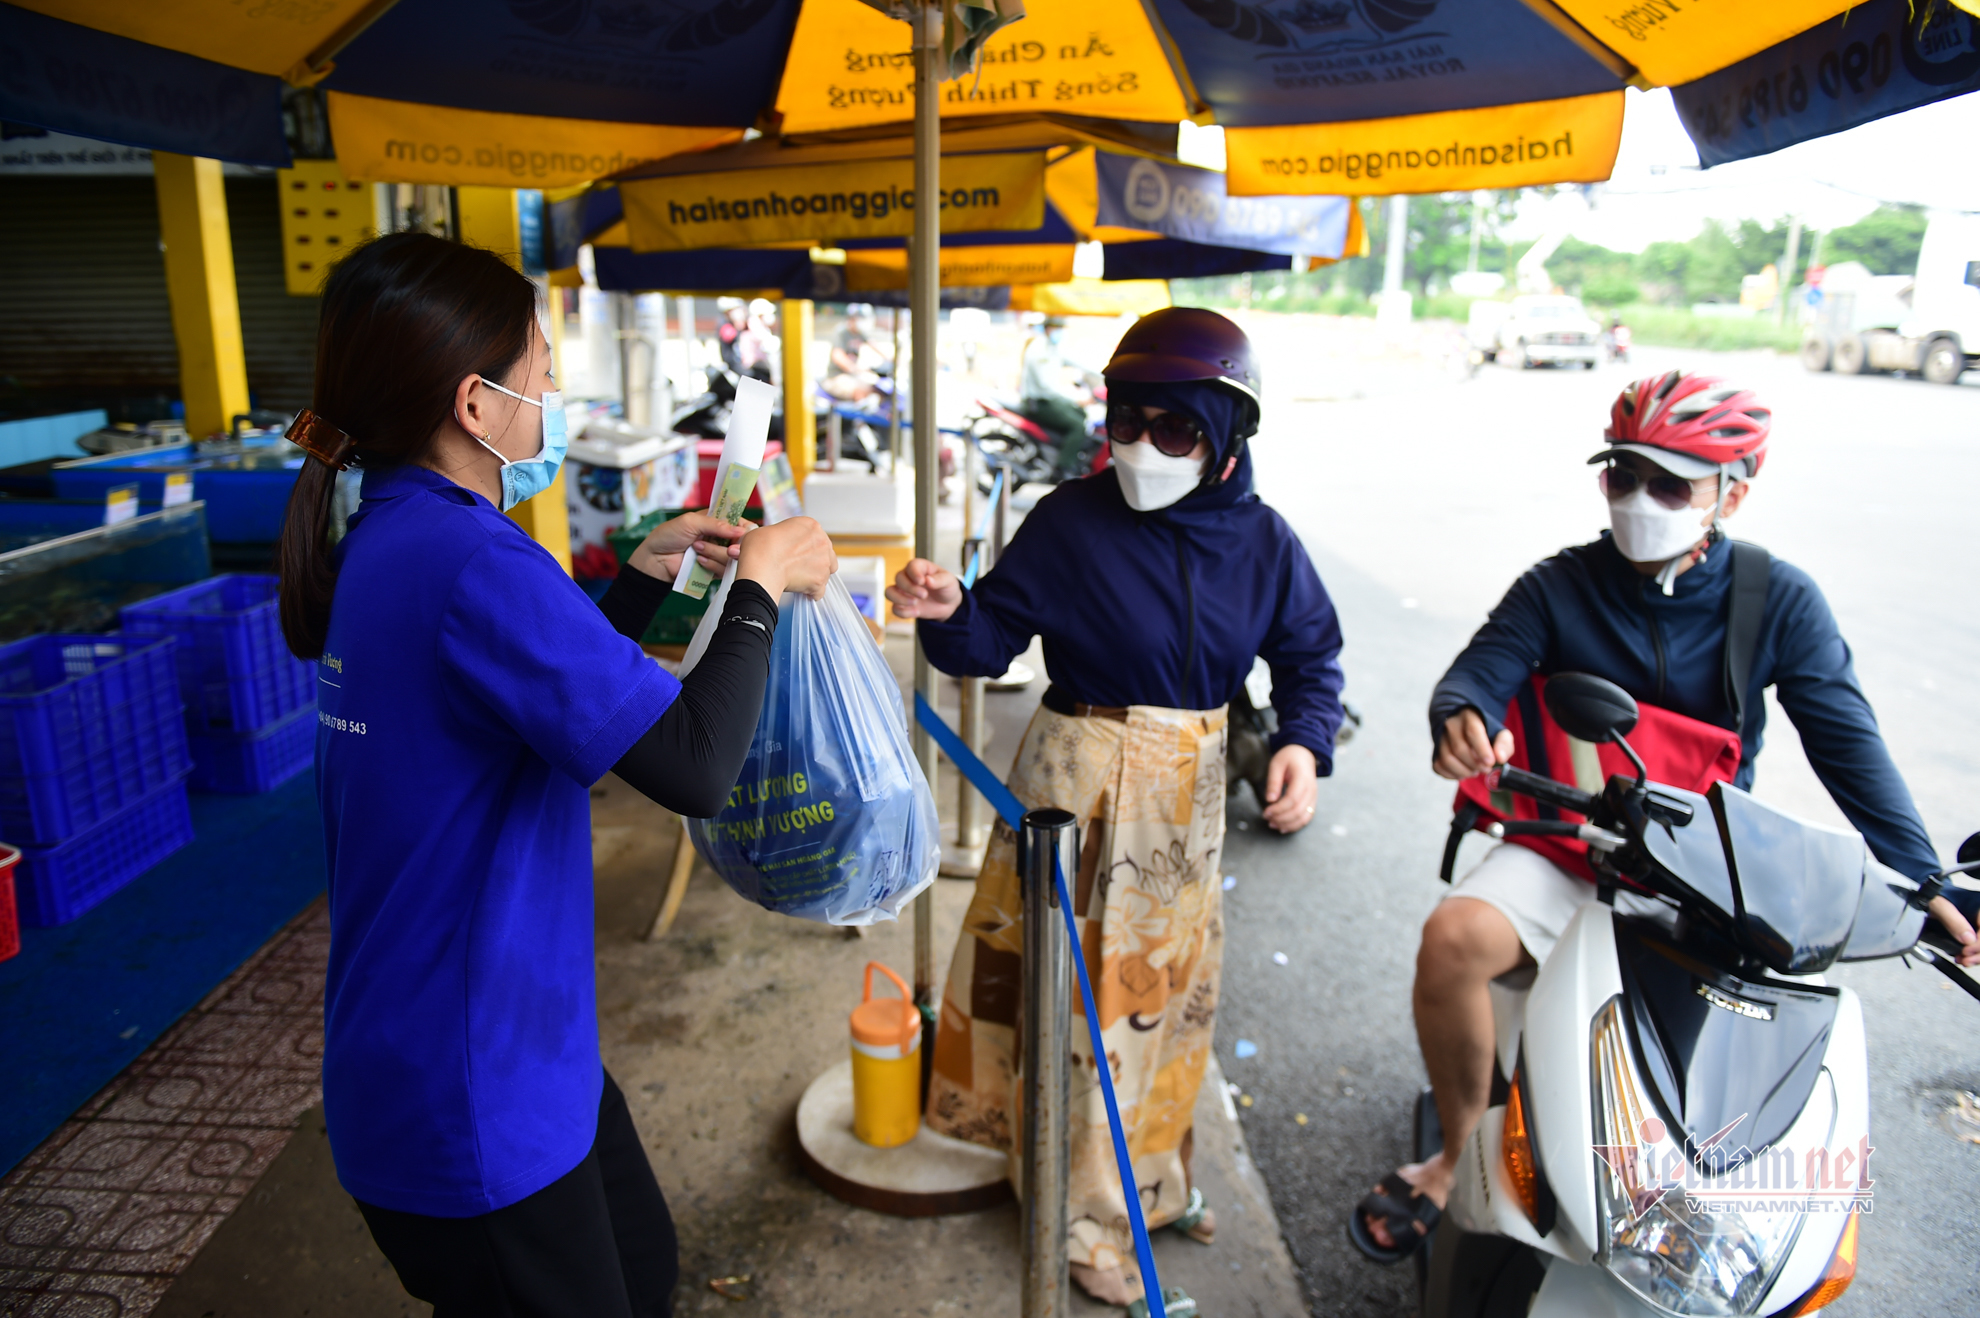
{"type": "Point", "coordinates": [1180, 344]}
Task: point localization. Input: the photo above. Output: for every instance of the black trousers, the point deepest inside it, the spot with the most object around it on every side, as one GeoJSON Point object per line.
{"type": "Point", "coordinates": [597, 1243]}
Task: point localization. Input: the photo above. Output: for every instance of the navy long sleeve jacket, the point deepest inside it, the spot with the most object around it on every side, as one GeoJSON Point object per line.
{"type": "Point", "coordinates": [1163, 608]}
{"type": "Point", "coordinates": [1588, 610]}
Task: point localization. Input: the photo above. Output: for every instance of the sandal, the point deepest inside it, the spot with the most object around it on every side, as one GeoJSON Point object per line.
{"type": "Point", "coordinates": [1196, 1220]}
{"type": "Point", "coordinates": [1175, 1303]}
{"type": "Point", "coordinates": [1403, 1209]}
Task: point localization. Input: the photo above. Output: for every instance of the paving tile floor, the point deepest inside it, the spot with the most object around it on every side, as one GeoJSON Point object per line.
{"type": "Point", "coordinates": [98, 1221]}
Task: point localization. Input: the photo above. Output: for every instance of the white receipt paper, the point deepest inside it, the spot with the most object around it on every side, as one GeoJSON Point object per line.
{"type": "Point", "coordinates": [735, 475]}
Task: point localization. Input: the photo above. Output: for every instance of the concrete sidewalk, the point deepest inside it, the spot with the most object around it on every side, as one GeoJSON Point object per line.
{"type": "Point", "coordinates": [713, 1033]}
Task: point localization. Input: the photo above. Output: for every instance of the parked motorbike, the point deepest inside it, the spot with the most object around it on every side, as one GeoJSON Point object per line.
{"type": "Point", "coordinates": [1252, 725]}
{"type": "Point", "coordinates": [1009, 440]}
{"type": "Point", "coordinates": [1685, 1125]}
{"type": "Point", "coordinates": [865, 426]}
{"type": "Point", "coordinates": [707, 414]}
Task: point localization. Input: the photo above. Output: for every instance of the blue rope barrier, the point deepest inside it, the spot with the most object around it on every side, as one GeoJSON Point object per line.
{"type": "Point", "coordinates": [1011, 811]}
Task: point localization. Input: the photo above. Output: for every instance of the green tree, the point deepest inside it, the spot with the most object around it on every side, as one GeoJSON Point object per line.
{"type": "Point", "coordinates": [1661, 267]}
{"type": "Point", "coordinates": [1886, 240]}
{"type": "Point", "coordinates": [1611, 288]}
{"type": "Point", "coordinates": [1713, 271]}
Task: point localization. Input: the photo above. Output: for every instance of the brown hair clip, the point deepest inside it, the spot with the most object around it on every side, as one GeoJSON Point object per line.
{"type": "Point", "coordinates": [321, 440]}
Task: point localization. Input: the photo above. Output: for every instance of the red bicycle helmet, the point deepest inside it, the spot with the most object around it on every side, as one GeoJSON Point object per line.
{"type": "Point", "coordinates": [1692, 425]}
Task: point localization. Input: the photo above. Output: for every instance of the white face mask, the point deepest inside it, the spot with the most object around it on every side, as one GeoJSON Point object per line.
{"type": "Point", "coordinates": [1648, 532]}
{"type": "Point", "coordinates": [1151, 479]}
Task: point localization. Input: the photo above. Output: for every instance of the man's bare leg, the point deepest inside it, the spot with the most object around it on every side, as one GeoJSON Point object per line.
{"type": "Point", "coordinates": [1466, 945]}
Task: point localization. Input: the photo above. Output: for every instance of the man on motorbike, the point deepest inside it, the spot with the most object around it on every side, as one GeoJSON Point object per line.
{"type": "Point", "coordinates": [1647, 606]}
{"type": "Point", "coordinates": [1049, 396]}
{"type": "Point", "coordinates": [852, 374]}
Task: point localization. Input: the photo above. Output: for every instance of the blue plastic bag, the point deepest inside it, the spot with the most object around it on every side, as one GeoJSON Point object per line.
{"type": "Point", "coordinates": [831, 819]}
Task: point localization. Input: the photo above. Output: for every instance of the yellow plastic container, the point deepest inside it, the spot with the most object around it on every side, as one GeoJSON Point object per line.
{"type": "Point", "coordinates": [886, 1057]}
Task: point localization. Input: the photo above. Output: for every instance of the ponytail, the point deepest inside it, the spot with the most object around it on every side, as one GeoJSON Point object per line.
{"type": "Point", "coordinates": [304, 560]}
{"type": "Point", "coordinates": [405, 319]}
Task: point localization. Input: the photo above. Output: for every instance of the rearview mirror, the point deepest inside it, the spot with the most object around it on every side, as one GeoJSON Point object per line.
{"type": "Point", "coordinates": [1590, 708]}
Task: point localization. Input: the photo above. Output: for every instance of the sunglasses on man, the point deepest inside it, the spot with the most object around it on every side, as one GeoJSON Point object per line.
{"type": "Point", "coordinates": [1619, 482]}
{"type": "Point", "coordinates": [1171, 433]}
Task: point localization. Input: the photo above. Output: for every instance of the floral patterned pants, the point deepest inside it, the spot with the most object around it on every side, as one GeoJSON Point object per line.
{"type": "Point", "coordinates": [1149, 795]}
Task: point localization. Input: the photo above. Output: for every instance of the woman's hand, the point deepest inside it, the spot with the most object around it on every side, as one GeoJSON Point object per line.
{"type": "Point", "coordinates": [1292, 786]}
{"type": "Point", "coordinates": [1962, 932]}
{"type": "Point", "coordinates": [794, 555]}
{"type": "Point", "coordinates": [713, 542]}
{"type": "Point", "coordinates": [922, 590]}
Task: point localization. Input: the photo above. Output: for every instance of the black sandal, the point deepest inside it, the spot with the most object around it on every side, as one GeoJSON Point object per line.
{"type": "Point", "coordinates": [1401, 1207]}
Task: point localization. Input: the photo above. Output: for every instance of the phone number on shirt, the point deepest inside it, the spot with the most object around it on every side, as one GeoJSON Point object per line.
{"type": "Point", "coordinates": [336, 724]}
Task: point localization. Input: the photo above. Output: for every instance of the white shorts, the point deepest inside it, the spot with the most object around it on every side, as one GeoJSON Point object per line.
{"type": "Point", "coordinates": [1536, 895]}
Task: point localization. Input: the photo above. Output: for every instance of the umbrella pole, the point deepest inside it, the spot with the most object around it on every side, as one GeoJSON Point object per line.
{"type": "Point", "coordinates": [924, 304]}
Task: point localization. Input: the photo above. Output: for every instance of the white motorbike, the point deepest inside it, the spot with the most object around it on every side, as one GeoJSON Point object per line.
{"type": "Point", "coordinates": [1686, 1126]}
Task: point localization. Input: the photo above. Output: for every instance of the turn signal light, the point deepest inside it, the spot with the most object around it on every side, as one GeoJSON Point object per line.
{"type": "Point", "coordinates": [1516, 1152]}
{"type": "Point", "coordinates": [1842, 1271]}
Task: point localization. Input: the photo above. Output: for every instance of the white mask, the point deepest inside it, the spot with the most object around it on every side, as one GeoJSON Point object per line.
{"type": "Point", "coordinates": [1648, 532]}
{"type": "Point", "coordinates": [1151, 479]}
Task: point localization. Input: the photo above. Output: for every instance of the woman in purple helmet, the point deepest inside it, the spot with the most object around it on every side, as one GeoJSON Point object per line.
{"type": "Point", "coordinates": [1154, 584]}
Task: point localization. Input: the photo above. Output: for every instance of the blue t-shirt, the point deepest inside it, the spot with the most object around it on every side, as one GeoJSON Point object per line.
{"type": "Point", "coordinates": [468, 696]}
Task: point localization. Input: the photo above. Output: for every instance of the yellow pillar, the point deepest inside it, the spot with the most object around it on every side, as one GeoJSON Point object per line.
{"type": "Point", "coordinates": [488, 218]}
{"type": "Point", "coordinates": [800, 432]}
{"type": "Point", "coordinates": [199, 279]}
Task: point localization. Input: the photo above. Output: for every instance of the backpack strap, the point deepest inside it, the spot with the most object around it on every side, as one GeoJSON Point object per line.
{"type": "Point", "coordinates": [1745, 611]}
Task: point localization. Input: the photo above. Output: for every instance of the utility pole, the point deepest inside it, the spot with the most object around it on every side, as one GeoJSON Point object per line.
{"type": "Point", "coordinates": [1393, 313]}
{"type": "Point", "coordinates": [1478, 202]}
{"type": "Point", "coordinates": [1787, 270]}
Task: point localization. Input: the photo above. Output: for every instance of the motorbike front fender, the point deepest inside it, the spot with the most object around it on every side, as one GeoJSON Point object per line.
{"type": "Point", "coordinates": [1482, 1199]}
{"type": "Point", "coordinates": [1585, 1291]}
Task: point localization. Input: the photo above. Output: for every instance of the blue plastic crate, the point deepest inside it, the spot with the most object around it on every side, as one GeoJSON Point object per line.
{"type": "Point", "coordinates": [245, 763]}
{"type": "Point", "coordinates": [88, 725]}
{"type": "Point", "coordinates": [53, 885]}
{"type": "Point", "coordinates": [235, 670]}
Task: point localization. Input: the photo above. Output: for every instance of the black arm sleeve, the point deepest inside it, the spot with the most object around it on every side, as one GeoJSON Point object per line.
{"type": "Point", "coordinates": [631, 601]}
{"type": "Point", "coordinates": [688, 761]}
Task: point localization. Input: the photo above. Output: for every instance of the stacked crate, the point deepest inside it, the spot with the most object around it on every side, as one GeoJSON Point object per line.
{"type": "Point", "coordinates": [250, 704]}
{"type": "Point", "coordinates": [92, 767]}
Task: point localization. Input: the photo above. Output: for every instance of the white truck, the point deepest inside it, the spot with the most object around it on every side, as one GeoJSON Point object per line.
{"type": "Point", "coordinates": [1927, 324]}
{"type": "Point", "coordinates": [1536, 330]}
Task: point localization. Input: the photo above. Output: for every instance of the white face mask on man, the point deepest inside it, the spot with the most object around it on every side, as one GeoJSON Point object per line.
{"type": "Point", "coordinates": [1648, 532]}
{"type": "Point", "coordinates": [1151, 479]}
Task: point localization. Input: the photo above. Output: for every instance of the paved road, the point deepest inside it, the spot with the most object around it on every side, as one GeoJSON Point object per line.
{"type": "Point", "coordinates": [1421, 496]}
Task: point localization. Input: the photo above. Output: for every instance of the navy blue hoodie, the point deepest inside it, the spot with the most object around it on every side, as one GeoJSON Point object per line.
{"type": "Point", "coordinates": [1588, 610]}
{"type": "Point", "coordinates": [1163, 608]}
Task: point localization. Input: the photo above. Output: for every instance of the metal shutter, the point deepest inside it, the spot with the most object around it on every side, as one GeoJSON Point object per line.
{"type": "Point", "coordinates": [87, 318]}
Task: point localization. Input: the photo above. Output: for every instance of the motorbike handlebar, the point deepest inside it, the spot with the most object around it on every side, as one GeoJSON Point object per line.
{"type": "Point", "coordinates": [1546, 790]}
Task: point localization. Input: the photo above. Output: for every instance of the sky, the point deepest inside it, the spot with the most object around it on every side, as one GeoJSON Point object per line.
{"type": "Point", "coordinates": [1658, 192]}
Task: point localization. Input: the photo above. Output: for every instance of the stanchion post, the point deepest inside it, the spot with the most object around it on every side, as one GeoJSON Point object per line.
{"type": "Point", "coordinates": [1000, 534]}
{"type": "Point", "coordinates": [968, 830]}
{"type": "Point", "coordinates": [1046, 838]}
{"type": "Point", "coordinates": [924, 300]}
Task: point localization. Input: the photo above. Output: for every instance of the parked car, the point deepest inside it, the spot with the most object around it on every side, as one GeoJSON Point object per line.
{"type": "Point", "coordinates": [1536, 330]}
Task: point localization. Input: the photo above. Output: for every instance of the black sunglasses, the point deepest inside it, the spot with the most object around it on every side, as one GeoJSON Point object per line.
{"type": "Point", "coordinates": [1619, 482]}
{"type": "Point", "coordinates": [1171, 433]}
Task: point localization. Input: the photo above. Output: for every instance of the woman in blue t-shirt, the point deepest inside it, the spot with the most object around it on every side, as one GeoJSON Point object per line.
{"type": "Point", "coordinates": [468, 696]}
